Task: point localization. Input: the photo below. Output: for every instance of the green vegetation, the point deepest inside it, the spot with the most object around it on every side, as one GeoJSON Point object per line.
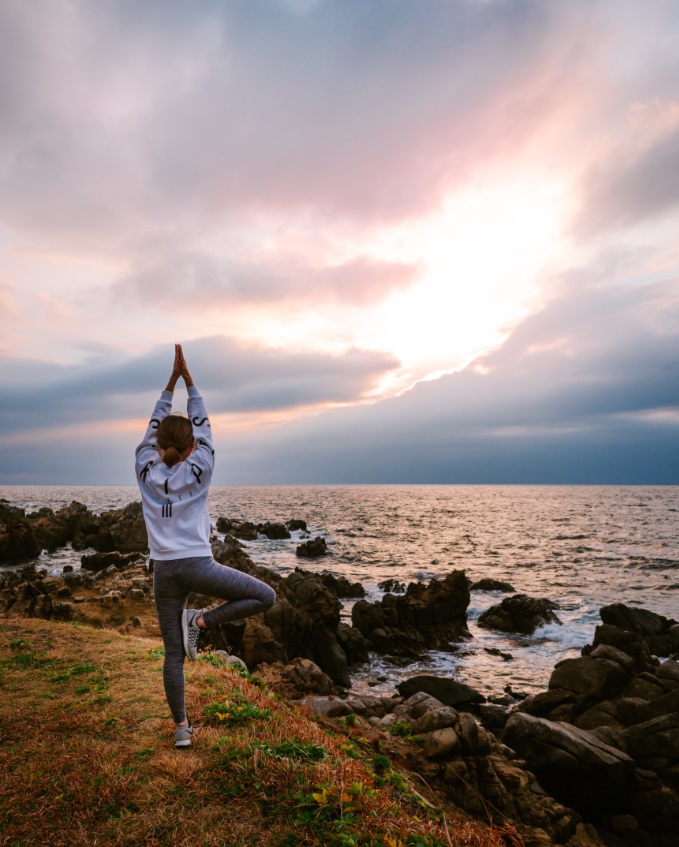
{"type": "Point", "coordinates": [404, 730]}
{"type": "Point", "coordinates": [236, 709]}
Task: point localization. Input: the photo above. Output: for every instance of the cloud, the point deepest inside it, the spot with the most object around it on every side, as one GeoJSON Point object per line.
{"type": "Point", "coordinates": [236, 378]}
{"type": "Point", "coordinates": [177, 278]}
{"type": "Point", "coordinates": [626, 193]}
{"type": "Point", "coordinates": [129, 118]}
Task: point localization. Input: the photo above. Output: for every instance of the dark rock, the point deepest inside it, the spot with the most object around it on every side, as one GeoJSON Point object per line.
{"type": "Point", "coordinates": [519, 613]}
{"type": "Point", "coordinates": [393, 586]}
{"type": "Point", "coordinates": [660, 634]}
{"type": "Point", "coordinates": [493, 717]}
{"type": "Point", "coordinates": [51, 531]}
{"type": "Point", "coordinates": [120, 529]}
{"type": "Point", "coordinates": [607, 651]}
{"type": "Point", "coordinates": [418, 704]}
{"type": "Point", "coordinates": [473, 738]}
{"type": "Point", "coordinates": [330, 656]}
{"type": "Point", "coordinates": [82, 524]}
{"type": "Point", "coordinates": [631, 619]}
{"type": "Point", "coordinates": [368, 706]}
{"type": "Point", "coordinates": [438, 718]}
{"type": "Point", "coordinates": [427, 616]}
{"type": "Point", "coordinates": [496, 789]}
{"type": "Point", "coordinates": [645, 685]}
{"type": "Point", "coordinates": [123, 530]}
{"type": "Point", "coordinates": [489, 584]}
{"type": "Point", "coordinates": [100, 561]}
{"type": "Point", "coordinates": [296, 678]}
{"type": "Point", "coordinates": [447, 691]}
{"type": "Point", "coordinates": [341, 586]}
{"type": "Point", "coordinates": [605, 714]}
{"type": "Point", "coordinates": [257, 643]}
{"type": "Point", "coordinates": [296, 524]}
{"type": "Point", "coordinates": [655, 739]}
{"type": "Point", "coordinates": [571, 764]}
{"type": "Point", "coordinates": [273, 531]}
{"type": "Point", "coordinates": [507, 657]}
{"type": "Point", "coordinates": [656, 807]}
{"type": "Point", "coordinates": [309, 592]}
{"type": "Point", "coordinates": [240, 529]}
{"type": "Point", "coordinates": [353, 643]}
{"type": "Point", "coordinates": [595, 678]}
{"type": "Point", "coordinates": [367, 617]}
{"type": "Point", "coordinates": [312, 549]}
{"type": "Point", "coordinates": [668, 671]}
{"type": "Point", "coordinates": [440, 743]}
{"type": "Point", "coordinates": [326, 707]}
{"type": "Point", "coordinates": [17, 542]}
{"type": "Point", "coordinates": [628, 642]}
{"type": "Point", "coordinates": [78, 579]}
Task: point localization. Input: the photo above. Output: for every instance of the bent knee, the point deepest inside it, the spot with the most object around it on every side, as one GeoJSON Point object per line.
{"type": "Point", "coordinates": [267, 596]}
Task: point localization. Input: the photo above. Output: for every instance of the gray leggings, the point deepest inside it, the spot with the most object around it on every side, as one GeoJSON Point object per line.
{"type": "Point", "coordinates": [173, 581]}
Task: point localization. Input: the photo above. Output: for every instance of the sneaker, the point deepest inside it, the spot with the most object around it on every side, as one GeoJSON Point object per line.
{"type": "Point", "coordinates": [191, 632]}
{"type": "Point", "coordinates": [182, 736]}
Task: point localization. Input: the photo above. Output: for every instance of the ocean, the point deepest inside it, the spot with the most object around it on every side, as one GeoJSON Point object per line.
{"type": "Point", "coordinates": [581, 546]}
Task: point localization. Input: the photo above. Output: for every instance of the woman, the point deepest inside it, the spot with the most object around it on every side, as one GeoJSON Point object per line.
{"type": "Point", "coordinates": [174, 466]}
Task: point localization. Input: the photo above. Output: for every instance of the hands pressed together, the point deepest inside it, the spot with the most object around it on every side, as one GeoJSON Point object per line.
{"type": "Point", "coordinates": [179, 369]}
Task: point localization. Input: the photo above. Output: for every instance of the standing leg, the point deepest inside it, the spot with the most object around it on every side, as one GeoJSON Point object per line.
{"type": "Point", "coordinates": [170, 599]}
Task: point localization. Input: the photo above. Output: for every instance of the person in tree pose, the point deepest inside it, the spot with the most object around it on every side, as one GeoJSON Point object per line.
{"type": "Point", "coordinates": [174, 465]}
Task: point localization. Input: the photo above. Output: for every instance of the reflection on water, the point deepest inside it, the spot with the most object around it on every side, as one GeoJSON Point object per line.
{"type": "Point", "coordinates": [583, 547]}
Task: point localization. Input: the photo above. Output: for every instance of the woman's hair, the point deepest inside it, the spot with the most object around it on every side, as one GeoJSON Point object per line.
{"type": "Point", "coordinates": [175, 434]}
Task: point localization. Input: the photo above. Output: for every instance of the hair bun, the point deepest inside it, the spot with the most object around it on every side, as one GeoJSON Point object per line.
{"type": "Point", "coordinates": [171, 456]}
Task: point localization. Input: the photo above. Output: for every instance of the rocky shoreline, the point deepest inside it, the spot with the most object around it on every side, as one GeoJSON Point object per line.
{"type": "Point", "coordinates": [592, 760]}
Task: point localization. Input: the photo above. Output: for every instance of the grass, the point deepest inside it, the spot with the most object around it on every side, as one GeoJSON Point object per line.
{"type": "Point", "coordinates": [86, 756]}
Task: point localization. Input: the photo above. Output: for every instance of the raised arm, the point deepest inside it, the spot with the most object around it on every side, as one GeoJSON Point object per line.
{"type": "Point", "coordinates": [204, 453]}
{"type": "Point", "coordinates": [176, 368]}
{"type": "Point", "coordinates": [146, 453]}
{"type": "Point", "coordinates": [183, 367]}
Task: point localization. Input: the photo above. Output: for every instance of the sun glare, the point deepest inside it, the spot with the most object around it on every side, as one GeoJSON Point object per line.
{"type": "Point", "coordinates": [484, 256]}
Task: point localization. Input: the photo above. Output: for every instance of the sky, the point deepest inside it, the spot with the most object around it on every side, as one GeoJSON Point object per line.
{"type": "Point", "coordinates": [401, 241]}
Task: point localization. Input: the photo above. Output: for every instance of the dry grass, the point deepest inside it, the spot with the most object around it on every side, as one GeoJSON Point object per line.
{"type": "Point", "coordinates": [86, 758]}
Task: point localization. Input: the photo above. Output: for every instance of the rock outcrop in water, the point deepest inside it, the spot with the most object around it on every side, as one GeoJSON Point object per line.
{"type": "Point", "coordinates": [489, 584]}
{"type": "Point", "coordinates": [519, 613]}
{"type": "Point", "coordinates": [312, 549]}
{"type": "Point", "coordinates": [249, 531]}
{"type": "Point", "coordinates": [425, 617]}
{"type": "Point", "coordinates": [448, 691]}
{"type": "Point", "coordinates": [23, 537]}
{"type": "Point", "coordinates": [17, 541]}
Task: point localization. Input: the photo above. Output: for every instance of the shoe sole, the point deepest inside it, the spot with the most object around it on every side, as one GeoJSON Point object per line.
{"type": "Point", "coordinates": [182, 745]}
{"type": "Point", "coordinates": [185, 634]}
